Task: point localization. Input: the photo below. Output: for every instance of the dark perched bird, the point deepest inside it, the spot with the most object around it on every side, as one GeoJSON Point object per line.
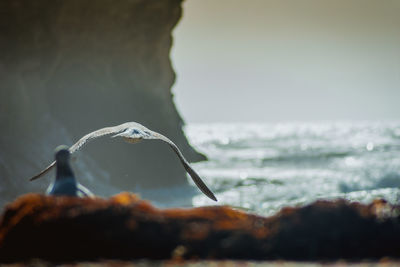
{"type": "Point", "coordinates": [133, 132]}
{"type": "Point", "coordinates": [65, 183]}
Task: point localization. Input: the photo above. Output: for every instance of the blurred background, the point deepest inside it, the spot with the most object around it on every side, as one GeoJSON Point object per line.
{"type": "Point", "coordinates": [290, 101]}
{"type": "Point", "coordinates": [273, 61]}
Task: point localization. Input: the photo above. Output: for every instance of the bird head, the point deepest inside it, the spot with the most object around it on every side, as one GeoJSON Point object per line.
{"type": "Point", "coordinates": [62, 154]}
{"type": "Point", "coordinates": [130, 135]}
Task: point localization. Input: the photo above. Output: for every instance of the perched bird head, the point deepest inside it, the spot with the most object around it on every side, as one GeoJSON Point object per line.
{"type": "Point", "coordinates": [62, 154]}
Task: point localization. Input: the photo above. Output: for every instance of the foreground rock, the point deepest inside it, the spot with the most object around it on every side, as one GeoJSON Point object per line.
{"type": "Point", "coordinates": [125, 227]}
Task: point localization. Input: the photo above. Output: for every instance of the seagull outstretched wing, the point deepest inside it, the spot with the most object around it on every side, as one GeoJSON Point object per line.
{"type": "Point", "coordinates": [133, 132]}
{"type": "Point", "coordinates": [145, 133]}
{"type": "Point", "coordinates": [77, 146]}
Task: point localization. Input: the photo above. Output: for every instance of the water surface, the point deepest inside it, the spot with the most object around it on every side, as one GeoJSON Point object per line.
{"type": "Point", "coordinates": [263, 167]}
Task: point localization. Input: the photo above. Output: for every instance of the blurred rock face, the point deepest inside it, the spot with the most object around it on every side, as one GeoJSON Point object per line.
{"type": "Point", "coordinates": [70, 67]}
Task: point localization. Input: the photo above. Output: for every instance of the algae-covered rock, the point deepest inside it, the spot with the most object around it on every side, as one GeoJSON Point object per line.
{"type": "Point", "coordinates": [126, 227]}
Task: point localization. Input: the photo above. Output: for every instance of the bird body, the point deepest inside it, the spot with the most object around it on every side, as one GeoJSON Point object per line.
{"type": "Point", "coordinates": [63, 187]}
{"type": "Point", "coordinates": [68, 187]}
{"type": "Point", "coordinates": [65, 183]}
{"type": "Point", "coordinates": [134, 132]}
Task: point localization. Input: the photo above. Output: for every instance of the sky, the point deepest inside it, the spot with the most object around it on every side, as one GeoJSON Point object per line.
{"type": "Point", "coordinates": [287, 60]}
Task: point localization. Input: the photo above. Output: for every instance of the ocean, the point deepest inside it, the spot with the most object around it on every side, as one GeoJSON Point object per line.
{"type": "Point", "coordinates": [264, 167]}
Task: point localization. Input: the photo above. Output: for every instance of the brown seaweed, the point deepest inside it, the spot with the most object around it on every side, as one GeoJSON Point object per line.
{"type": "Point", "coordinates": [65, 229]}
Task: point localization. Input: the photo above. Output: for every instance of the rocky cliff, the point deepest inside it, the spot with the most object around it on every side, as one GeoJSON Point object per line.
{"type": "Point", "coordinates": [70, 67]}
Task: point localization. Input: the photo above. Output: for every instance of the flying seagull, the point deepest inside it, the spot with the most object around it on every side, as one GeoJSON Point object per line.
{"type": "Point", "coordinates": [65, 183]}
{"type": "Point", "coordinates": [133, 132]}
